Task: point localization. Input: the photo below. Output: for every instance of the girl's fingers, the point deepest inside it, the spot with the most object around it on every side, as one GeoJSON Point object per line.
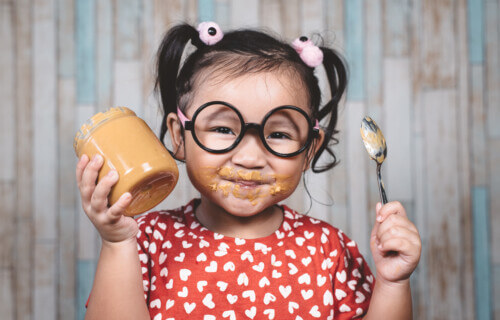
{"type": "Point", "coordinates": [400, 245]}
{"type": "Point", "coordinates": [99, 199]}
{"type": "Point", "coordinates": [80, 166]}
{"type": "Point", "coordinates": [117, 209]}
{"type": "Point", "coordinates": [393, 207]}
{"type": "Point", "coordinates": [398, 232]}
{"type": "Point", "coordinates": [89, 177]}
{"type": "Point", "coordinates": [395, 220]}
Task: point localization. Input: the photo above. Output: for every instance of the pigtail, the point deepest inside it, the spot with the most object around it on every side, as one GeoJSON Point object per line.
{"type": "Point", "coordinates": [168, 64]}
{"type": "Point", "coordinates": [336, 71]}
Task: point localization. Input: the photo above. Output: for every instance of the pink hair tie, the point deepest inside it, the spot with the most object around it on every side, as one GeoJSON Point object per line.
{"type": "Point", "coordinates": [210, 32]}
{"type": "Point", "coordinates": [308, 52]}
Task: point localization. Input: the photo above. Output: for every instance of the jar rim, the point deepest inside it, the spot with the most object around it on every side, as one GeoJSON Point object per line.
{"type": "Point", "coordinates": [97, 120]}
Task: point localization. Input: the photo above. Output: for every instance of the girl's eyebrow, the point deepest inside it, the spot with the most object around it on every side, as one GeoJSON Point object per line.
{"type": "Point", "coordinates": [218, 114]}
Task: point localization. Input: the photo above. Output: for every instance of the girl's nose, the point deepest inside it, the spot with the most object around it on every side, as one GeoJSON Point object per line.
{"type": "Point", "coordinates": [250, 152]}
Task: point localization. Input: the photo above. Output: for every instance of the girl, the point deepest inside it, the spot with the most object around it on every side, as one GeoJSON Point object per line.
{"type": "Point", "coordinates": [243, 112]}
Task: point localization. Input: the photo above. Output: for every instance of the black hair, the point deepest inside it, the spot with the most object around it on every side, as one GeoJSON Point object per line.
{"type": "Point", "coordinates": [241, 52]}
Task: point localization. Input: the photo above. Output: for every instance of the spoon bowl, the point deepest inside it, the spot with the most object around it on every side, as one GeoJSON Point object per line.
{"type": "Point", "coordinates": [376, 147]}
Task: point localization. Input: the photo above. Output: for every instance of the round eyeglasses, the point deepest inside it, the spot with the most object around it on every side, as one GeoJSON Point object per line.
{"type": "Point", "coordinates": [218, 127]}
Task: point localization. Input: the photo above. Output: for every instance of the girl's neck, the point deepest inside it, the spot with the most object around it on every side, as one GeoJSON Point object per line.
{"type": "Point", "coordinates": [216, 219]}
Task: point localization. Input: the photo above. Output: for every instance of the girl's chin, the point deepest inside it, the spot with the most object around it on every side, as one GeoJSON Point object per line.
{"type": "Point", "coordinates": [242, 207]}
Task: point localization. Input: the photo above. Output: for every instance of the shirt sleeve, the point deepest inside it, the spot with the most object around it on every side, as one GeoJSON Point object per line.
{"type": "Point", "coordinates": [353, 282]}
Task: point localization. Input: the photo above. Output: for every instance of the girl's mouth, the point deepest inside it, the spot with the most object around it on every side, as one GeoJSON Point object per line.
{"type": "Point", "coordinates": [248, 184]}
{"type": "Point", "coordinates": [243, 177]}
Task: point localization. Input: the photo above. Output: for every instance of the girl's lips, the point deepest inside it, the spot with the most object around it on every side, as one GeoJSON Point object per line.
{"type": "Point", "coordinates": [247, 183]}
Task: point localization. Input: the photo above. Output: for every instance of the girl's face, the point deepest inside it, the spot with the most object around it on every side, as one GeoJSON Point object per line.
{"type": "Point", "coordinates": [248, 179]}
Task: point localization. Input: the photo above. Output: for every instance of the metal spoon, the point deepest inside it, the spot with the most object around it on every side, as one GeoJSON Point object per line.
{"type": "Point", "coordinates": [377, 149]}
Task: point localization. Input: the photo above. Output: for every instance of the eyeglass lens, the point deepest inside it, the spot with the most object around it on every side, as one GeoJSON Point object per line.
{"type": "Point", "coordinates": [218, 126]}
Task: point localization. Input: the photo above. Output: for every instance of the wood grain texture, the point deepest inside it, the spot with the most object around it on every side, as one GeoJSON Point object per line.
{"type": "Point", "coordinates": [7, 94]}
{"type": "Point", "coordinates": [494, 184]}
{"type": "Point", "coordinates": [66, 103]}
{"type": "Point", "coordinates": [85, 51]}
{"type": "Point", "coordinates": [475, 19]}
{"type": "Point", "coordinates": [244, 13]}
{"type": "Point", "coordinates": [7, 301]}
{"type": "Point", "coordinates": [482, 264]}
{"type": "Point", "coordinates": [438, 47]}
{"type": "Point", "coordinates": [45, 159]}
{"type": "Point", "coordinates": [496, 293]}
{"type": "Point", "coordinates": [24, 227]}
{"type": "Point", "coordinates": [354, 48]}
{"type": "Point", "coordinates": [290, 18]}
{"type": "Point", "coordinates": [222, 13]}
{"type": "Point", "coordinates": [335, 23]}
{"type": "Point", "coordinates": [206, 10]}
{"type": "Point", "coordinates": [464, 161]}
{"type": "Point", "coordinates": [105, 54]}
{"type": "Point", "coordinates": [443, 252]}
{"type": "Point", "coordinates": [478, 128]}
{"type": "Point", "coordinates": [396, 27]}
{"type": "Point", "coordinates": [127, 85]}
{"type": "Point", "coordinates": [45, 126]}
{"type": "Point", "coordinates": [44, 286]}
{"type": "Point", "coordinates": [310, 24]}
{"type": "Point", "coordinates": [492, 65]}
{"type": "Point", "coordinates": [270, 16]}
{"type": "Point", "coordinates": [7, 230]}
{"type": "Point", "coordinates": [67, 226]}
{"type": "Point", "coordinates": [397, 129]}
{"type": "Point", "coordinates": [127, 27]}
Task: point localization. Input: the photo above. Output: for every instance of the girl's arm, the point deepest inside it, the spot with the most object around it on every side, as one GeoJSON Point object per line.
{"type": "Point", "coordinates": [390, 301]}
{"type": "Point", "coordinates": [396, 246]}
{"type": "Point", "coordinates": [117, 292]}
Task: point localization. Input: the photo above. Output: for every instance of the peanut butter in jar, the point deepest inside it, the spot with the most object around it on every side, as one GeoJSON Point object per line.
{"type": "Point", "coordinates": [145, 167]}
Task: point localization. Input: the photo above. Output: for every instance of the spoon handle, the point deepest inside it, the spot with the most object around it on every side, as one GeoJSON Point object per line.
{"type": "Point", "coordinates": [381, 187]}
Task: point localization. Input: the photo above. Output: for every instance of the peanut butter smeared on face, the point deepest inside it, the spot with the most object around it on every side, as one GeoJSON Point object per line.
{"type": "Point", "coordinates": [277, 184]}
{"type": "Point", "coordinates": [374, 140]}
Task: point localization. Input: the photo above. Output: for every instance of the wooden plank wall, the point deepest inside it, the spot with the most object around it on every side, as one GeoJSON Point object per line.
{"type": "Point", "coordinates": [427, 71]}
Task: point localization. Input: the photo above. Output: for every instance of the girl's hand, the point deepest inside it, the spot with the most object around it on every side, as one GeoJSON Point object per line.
{"type": "Point", "coordinates": [395, 243]}
{"type": "Point", "coordinates": [110, 222]}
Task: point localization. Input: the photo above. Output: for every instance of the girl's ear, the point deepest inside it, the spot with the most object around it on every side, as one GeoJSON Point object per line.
{"type": "Point", "coordinates": [317, 142]}
{"type": "Point", "coordinates": [175, 129]}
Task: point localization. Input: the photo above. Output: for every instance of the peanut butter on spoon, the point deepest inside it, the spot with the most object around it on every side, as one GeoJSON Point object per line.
{"type": "Point", "coordinates": [376, 147]}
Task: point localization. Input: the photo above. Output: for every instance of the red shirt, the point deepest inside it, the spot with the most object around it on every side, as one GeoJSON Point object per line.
{"type": "Point", "coordinates": [306, 269]}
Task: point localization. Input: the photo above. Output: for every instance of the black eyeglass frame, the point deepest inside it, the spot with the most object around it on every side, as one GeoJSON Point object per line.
{"type": "Point", "coordinates": [313, 131]}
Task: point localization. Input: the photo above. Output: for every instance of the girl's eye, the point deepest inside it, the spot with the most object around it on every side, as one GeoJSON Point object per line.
{"type": "Point", "coordinates": [223, 130]}
{"type": "Point", "coordinates": [279, 135]}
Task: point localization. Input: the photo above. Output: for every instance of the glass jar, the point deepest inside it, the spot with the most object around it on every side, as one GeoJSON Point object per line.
{"type": "Point", "coordinates": [145, 167]}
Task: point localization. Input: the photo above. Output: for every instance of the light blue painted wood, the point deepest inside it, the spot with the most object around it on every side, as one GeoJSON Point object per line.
{"type": "Point", "coordinates": [482, 268]}
{"type": "Point", "coordinates": [397, 41]}
{"type": "Point", "coordinates": [354, 25]}
{"type": "Point", "coordinates": [206, 10]}
{"type": "Point", "coordinates": [475, 18]}
{"type": "Point", "coordinates": [66, 21]}
{"type": "Point", "coordinates": [104, 58]}
{"type": "Point", "coordinates": [127, 29]}
{"type": "Point", "coordinates": [222, 13]}
{"type": "Point", "coordinates": [496, 292]}
{"type": "Point", "coordinates": [85, 278]}
{"type": "Point", "coordinates": [85, 51]}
